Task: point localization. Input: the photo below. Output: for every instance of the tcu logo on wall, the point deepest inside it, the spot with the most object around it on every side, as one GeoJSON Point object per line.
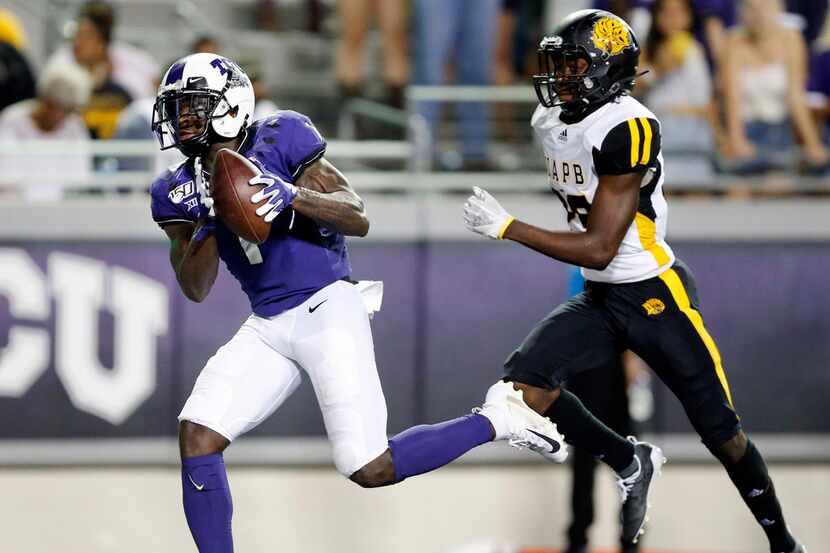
{"type": "Point", "coordinates": [82, 288]}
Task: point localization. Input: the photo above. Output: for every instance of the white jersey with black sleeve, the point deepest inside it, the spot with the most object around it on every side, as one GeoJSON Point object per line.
{"type": "Point", "coordinates": [620, 137]}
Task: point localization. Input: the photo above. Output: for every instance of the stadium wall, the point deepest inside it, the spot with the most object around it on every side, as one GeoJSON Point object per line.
{"type": "Point", "coordinates": [87, 453]}
{"type": "Point", "coordinates": [98, 342]}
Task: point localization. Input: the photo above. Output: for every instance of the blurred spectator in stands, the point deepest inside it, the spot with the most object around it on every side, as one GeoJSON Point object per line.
{"type": "Point", "coordinates": [267, 17]}
{"type": "Point", "coordinates": [715, 16]}
{"type": "Point", "coordinates": [90, 49]}
{"type": "Point", "coordinates": [811, 15]}
{"type": "Point", "coordinates": [355, 17]}
{"type": "Point", "coordinates": [61, 91]}
{"type": "Point", "coordinates": [263, 105]}
{"type": "Point", "coordinates": [17, 82]}
{"type": "Point", "coordinates": [94, 47]}
{"type": "Point", "coordinates": [635, 12]}
{"type": "Point", "coordinates": [678, 86]}
{"type": "Point", "coordinates": [135, 123]}
{"type": "Point", "coordinates": [11, 30]}
{"type": "Point", "coordinates": [520, 24]}
{"type": "Point", "coordinates": [505, 68]}
{"type": "Point", "coordinates": [765, 85]}
{"type": "Point", "coordinates": [818, 85]}
{"type": "Point", "coordinates": [463, 31]}
{"type": "Point", "coordinates": [205, 44]}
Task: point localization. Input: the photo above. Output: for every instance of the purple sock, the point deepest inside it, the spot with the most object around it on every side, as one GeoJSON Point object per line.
{"type": "Point", "coordinates": [207, 503]}
{"type": "Point", "coordinates": [424, 448]}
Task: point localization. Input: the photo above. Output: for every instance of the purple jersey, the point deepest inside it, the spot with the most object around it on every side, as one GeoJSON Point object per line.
{"type": "Point", "coordinates": [725, 10]}
{"type": "Point", "coordinates": [299, 257]}
{"type": "Point", "coordinates": [819, 81]}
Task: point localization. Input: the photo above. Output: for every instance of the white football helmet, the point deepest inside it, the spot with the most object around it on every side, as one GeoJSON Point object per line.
{"type": "Point", "coordinates": [202, 99]}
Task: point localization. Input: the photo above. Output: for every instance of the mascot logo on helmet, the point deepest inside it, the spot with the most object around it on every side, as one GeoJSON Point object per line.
{"type": "Point", "coordinates": [611, 35]}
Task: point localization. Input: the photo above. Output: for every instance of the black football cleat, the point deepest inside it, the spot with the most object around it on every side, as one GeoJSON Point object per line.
{"type": "Point", "coordinates": [636, 489]}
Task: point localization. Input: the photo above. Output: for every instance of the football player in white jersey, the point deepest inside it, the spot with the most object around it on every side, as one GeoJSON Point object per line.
{"type": "Point", "coordinates": [602, 149]}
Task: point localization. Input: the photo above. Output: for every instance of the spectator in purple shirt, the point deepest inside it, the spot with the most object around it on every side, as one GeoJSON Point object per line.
{"type": "Point", "coordinates": [812, 14]}
{"type": "Point", "coordinates": [818, 84]}
{"type": "Point", "coordinates": [715, 17]}
{"type": "Point", "coordinates": [635, 12]}
{"type": "Point", "coordinates": [764, 90]}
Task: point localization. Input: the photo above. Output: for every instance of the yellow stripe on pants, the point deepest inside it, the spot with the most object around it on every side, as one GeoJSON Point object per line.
{"type": "Point", "coordinates": [678, 292]}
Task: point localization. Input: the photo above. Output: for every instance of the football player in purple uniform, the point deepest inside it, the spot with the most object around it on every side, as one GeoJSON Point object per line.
{"type": "Point", "coordinates": [308, 315]}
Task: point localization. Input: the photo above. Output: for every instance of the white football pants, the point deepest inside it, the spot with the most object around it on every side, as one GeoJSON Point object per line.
{"type": "Point", "coordinates": [329, 337]}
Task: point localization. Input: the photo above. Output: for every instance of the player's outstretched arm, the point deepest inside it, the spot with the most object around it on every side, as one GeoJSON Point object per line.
{"type": "Point", "coordinates": [325, 195]}
{"type": "Point", "coordinates": [613, 210]}
{"type": "Point", "coordinates": [194, 258]}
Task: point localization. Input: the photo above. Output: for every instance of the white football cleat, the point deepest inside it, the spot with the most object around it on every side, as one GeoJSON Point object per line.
{"type": "Point", "coordinates": [522, 427]}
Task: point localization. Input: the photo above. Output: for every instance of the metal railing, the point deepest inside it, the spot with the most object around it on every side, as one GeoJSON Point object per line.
{"type": "Point", "coordinates": [411, 157]}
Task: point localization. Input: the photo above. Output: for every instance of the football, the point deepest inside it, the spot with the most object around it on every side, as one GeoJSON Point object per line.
{"type": "Point", "coordinates": [232, 196]}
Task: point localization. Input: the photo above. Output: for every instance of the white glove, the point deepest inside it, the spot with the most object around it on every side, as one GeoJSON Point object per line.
{"type": "Point", "coordinates": [203, 187]}
{"type": "Point", "coordinates": [485, 215]}
{"type": "Point", "coordinates": [278, 193]}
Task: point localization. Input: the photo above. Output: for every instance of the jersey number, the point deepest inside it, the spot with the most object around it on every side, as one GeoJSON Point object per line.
{"type": "Point", "coordinates": [576, 206]}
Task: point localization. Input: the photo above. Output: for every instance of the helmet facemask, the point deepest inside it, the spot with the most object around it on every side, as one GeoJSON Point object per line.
{"type": "Point", "coordinates": [565, 77]}
{"type": "Point", "coordinates": [181, 119]}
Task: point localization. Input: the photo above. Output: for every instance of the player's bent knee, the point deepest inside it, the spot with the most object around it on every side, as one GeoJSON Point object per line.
{"type": "Point", "coordinates": [539, 399]}
{"type": "Point", "coordinates": [733, 450]}
{"type": "Point", "coordinates": [376, 473]}
{"type": "Point", "coordinates": [196, 440]}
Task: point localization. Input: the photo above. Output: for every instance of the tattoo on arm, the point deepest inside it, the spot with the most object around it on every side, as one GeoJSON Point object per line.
{"type": "Point", "coordinates": [325, 196]}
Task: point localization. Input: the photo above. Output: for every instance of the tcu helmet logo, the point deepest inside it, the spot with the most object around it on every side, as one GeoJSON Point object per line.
{"type": "Point", "coordinates": [81, 289]}
{"type": "Point", "coordinates": [220, 64]}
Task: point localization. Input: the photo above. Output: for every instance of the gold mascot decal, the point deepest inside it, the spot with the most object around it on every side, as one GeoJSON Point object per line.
{"type": "Point", "coordinates": [654, 307]}
{"type": "Point", "coordinates": [611, 35]}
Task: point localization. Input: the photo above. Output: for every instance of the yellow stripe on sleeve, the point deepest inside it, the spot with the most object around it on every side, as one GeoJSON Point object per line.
{"type": "Point", "coordinates": [678, 292]}
{"type": "Point", "coordinates": [646, 141]}
{"type": "Point", "coordinates": [648, 238]}
{"type": "Point", "coordinates": [635, 141]}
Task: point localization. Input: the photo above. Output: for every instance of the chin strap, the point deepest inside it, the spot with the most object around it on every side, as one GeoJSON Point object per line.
{"type": "Point", "coordinates": [583, 104]}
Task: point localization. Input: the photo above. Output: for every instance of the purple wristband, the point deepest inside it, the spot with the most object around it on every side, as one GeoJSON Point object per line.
{"type": "Point", "coordinates": [208, 227]}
